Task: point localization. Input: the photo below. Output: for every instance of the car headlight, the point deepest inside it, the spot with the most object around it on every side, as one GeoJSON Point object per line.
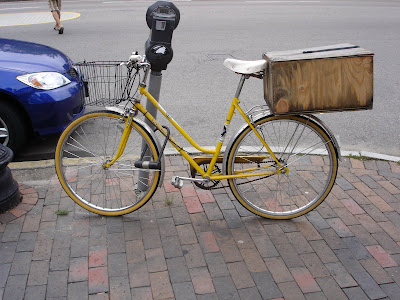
{"type": "Point", "coordinates": [44, 80]}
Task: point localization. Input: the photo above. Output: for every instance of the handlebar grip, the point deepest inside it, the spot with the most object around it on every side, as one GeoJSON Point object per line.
{"type": "Point", "coordinates": [135, 58]}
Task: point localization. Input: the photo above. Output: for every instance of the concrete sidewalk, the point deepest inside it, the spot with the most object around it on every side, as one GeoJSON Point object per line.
{"type": "Point", "coordinates": [205, 245]}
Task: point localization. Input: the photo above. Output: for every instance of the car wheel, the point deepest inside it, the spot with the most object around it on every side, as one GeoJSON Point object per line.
{"type": "Point", "coordinates": [13, 131]}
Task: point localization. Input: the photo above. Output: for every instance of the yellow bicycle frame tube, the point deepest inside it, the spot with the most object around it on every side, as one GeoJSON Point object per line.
{"type": "Point", "coordinates": [215, 152]}
{"type": "Point", "coordinates": [235, 103]}
{"type": "Point", "coordinates": [122, 143]}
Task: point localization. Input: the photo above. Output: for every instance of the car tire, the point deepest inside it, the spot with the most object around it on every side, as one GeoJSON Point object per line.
{"type": "Point", "coordinates": [13, 132]}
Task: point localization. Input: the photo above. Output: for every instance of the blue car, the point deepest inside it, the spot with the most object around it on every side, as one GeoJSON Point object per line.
{"type": "Point", "coordinates": [40, 92]}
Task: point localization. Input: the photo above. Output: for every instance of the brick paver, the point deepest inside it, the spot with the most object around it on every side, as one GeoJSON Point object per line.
{"type": "Point", "coordinates": [206, 246]}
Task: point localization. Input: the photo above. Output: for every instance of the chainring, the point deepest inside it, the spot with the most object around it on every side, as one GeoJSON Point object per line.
{"type": "Point", "coordinates": [206, 185]}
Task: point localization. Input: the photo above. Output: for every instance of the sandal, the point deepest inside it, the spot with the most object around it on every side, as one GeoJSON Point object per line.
{"type": "Point", "coordinates": [61, 30]}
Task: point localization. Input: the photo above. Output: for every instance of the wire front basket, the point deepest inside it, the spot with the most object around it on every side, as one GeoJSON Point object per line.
{"type": "Point", "coordinates": [108, 82]}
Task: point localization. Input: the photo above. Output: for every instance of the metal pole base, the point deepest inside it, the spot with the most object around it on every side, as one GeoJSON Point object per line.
{"type": "Point", "coordinates": [9, 191]}
{"type": "Point", "coordinates": [154, 89]}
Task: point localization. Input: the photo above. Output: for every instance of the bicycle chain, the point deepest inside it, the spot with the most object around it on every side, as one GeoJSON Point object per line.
{"type": "Point", "coordinates": [214, 187]}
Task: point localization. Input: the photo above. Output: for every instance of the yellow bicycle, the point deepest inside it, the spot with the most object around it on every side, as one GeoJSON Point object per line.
{"type": "Point", "coordinates": [111, 163]}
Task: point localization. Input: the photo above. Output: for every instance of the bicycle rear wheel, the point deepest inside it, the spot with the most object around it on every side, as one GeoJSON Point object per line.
{"type": "Point", "coordinates": [301, 146]}
{"type": "Point", "coordinates": [92, 141]}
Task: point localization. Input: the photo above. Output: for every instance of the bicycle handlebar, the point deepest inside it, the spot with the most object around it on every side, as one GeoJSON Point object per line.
{"type": "Point", "coordinates": [134, 58]}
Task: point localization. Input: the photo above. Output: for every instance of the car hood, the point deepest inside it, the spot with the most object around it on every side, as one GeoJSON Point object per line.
{"type": "Point", "coordinates": [27, 57]}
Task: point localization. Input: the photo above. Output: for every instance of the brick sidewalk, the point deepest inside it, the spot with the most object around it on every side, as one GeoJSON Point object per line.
{"type": "Point", "coordinates": [205, 246]}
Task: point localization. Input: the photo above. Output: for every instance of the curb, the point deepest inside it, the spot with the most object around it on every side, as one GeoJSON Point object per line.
{"type": "Point", "coordinates": [50, 162]}
{"type": "Point", "coordinates": [40, 164]}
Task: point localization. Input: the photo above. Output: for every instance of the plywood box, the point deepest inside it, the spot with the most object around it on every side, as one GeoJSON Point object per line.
{"type": "Point", "coordinates": [322, 79]}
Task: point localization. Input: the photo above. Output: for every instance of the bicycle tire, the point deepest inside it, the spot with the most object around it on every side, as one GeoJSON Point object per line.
{"type": "Point", "coordinates": [302, 146]}
{"type": "Point", "coordinates": [86, 145]}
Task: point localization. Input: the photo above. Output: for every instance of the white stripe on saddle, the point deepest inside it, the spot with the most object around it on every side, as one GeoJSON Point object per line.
{"type": "Point", "coordinates": [245, 67]}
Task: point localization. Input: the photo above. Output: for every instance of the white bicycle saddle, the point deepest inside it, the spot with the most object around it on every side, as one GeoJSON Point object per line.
{"type": "Point", "coordinates": [245, 67]}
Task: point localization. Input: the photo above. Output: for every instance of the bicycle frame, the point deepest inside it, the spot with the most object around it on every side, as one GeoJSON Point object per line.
{"type": "Point", "coordinates": [215, 152]}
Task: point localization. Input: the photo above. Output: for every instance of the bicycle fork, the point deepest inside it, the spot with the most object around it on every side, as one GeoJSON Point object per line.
{"type": "Point", "coordinates": [122, 143]}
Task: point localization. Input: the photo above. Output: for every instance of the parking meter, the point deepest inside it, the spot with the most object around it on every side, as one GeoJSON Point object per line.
{"type": "Point", "coordinates": [162, 18]}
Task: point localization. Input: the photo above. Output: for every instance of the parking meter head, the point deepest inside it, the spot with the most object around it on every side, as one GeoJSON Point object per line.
{"type": "Point", "coordinates": [162, 18]}
{"type": "Point", "coordinates": [163, 8]}
{"type": "Point", "coordinates": [158, 55]}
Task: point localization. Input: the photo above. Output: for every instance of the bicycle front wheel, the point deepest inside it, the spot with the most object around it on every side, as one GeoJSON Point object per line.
{"type": "Point", "coordinates": [92, 141]}
{"type": "Point", "coordinates": [308, 167]}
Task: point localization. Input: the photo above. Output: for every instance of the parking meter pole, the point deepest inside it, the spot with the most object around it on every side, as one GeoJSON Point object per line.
{"type": "Point", "coordinates": [162, 18]}
{"type": "Point", "coordinates": [154, 90]}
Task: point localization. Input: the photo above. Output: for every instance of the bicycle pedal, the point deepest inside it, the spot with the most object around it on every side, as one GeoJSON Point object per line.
{"type": "Point", "coordinates": [177, 182]}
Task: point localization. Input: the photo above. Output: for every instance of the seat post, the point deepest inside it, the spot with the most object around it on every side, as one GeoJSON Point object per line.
{"type": "Point", "coordinates": [241, 83]}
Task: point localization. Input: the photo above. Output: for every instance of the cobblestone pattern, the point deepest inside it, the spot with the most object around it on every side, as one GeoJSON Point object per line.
{"type": "Point", "coordinates": [205, 246]}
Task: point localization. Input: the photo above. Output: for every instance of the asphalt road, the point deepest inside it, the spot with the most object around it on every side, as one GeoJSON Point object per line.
{"type": "Point", "coordinates": [197, 88]}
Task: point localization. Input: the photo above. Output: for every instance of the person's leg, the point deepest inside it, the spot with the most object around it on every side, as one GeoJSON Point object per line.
{"type": "Point", "coordinates": [56, 16]}
{"type": "Point", "coordinates": [59, 9]}
{"type": "Point", "coordinates": [61, 28]}
{"type": "Point", "coordinates": [55, 7]}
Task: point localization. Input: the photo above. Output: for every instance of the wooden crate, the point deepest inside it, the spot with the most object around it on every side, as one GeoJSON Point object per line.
{"type": "Point", "coordinates": [322, 79]}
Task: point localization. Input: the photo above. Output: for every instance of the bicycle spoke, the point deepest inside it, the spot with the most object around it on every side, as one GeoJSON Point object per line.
{"type": "Point", "coordinates": [302, 155]}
